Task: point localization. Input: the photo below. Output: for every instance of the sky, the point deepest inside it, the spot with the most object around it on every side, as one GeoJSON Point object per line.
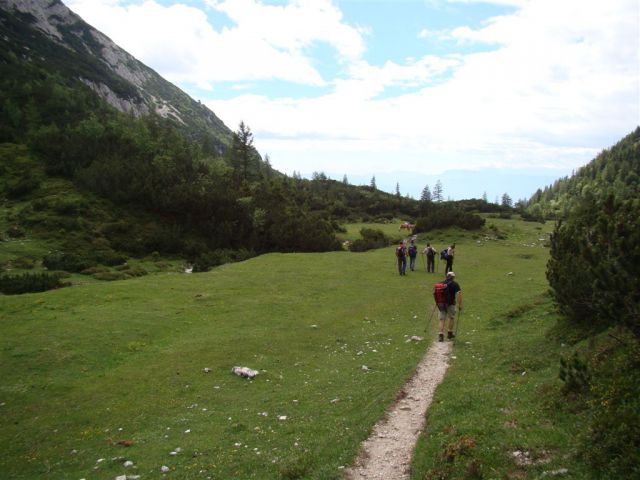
{"type": "Point", "coordinates": [489, 97]}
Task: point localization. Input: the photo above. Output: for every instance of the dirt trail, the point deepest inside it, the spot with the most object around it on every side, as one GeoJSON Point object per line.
{"type": "Point", "coordinates": [386, 454]}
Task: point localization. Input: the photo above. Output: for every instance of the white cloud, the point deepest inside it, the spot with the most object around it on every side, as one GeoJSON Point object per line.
{"type": "Point", "coordinates": [267, 42]}
{"type": "Point", "coordinates": [564, 76]}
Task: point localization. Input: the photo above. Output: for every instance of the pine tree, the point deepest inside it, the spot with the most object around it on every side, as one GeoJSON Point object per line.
{"type": "Point", "coordinates": [373, 183]}
{"type": "Point", "coordinates": [437, 192]}
{"type": "Point", "coordinates": [397, 189]}
{"type": "Point", "coordinates": [426, 194]}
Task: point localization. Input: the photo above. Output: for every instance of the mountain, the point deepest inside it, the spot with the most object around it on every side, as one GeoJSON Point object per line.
{"type": "Point", "coordinates": [46, 33]}
{"type": "Point", "coordinates": [614, 171]}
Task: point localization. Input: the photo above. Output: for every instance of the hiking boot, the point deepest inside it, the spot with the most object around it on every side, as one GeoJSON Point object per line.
{"type": "Point", "coordinates": [441, 337]}
{"type": "Point", "coordinates": [450, 335]}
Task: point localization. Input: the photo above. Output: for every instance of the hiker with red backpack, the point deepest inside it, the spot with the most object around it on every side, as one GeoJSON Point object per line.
{"type": "Point", "coordinates": [401, 254]}
{"type": "Point", "coordinates": [448, 298]}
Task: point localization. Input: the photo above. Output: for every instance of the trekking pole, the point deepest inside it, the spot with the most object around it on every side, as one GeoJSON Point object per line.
{"type": "Point", "coordinates": [426, 329]}
{"type": "Point", "coordinates": [458, 322]}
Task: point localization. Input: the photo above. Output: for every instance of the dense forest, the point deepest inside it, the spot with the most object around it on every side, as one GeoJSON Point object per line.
{"type": "Point", "coordinates": [594, 274]}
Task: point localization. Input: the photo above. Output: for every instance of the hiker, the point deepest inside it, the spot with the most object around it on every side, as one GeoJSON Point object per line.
{"type": "Point", "coordinates": [453, 302]}
{"type": "Point", "coordinates": [413, 251]}
{"type": "Point", "coordinates": [430, 252]}
{"type": "Point", "coordinates": [450, 253]}
{"type": "Point", "coordinates": [401, 254]}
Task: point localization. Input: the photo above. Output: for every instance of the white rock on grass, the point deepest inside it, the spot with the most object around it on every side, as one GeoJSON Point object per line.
{"type": "Point", "coordinates": [556, 473]}
{"type": "Point", "coordinates": [128, 464]}
{"type": "Point", "coordinates": [121, 477]}
{"type": "Point", "coordinates": [206, 370]}
{"type": "Point", "coordinates": [164, 469]}
{"type": "Point", "coordinates": [245, 372]}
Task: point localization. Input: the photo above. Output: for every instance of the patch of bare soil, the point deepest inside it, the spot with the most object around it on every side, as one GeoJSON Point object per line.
{"type": "Point", "coordinates": [386, 454]}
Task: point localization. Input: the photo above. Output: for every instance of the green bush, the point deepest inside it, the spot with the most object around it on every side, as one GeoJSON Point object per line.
{"type": "Point", "coordinates": [575, 375]}
{"type": "Point", "coordinates": [28, 283]}
{"type": "Point", "coordinates": [109, 276]}
{"type": "Point", "coordinates": [612, 446]}
{"type": "Point", "coordinates": [446, 215]}
{"type": "Point", "coordinates": [371, 239]}
{"type": "Point", "coordinates": [215, 258]}
{"type": "Point", "coordinates": [23, 263]}
{"type": "Point", "coordinates": [70, 262]}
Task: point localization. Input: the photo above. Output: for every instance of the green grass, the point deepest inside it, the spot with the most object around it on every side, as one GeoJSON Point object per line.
{"type": "Point", "coordinates": [88, 366]}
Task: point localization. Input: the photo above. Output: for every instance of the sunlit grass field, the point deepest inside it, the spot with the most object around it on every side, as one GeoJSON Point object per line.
{"type": "Point", "coordinates": [100, 374]}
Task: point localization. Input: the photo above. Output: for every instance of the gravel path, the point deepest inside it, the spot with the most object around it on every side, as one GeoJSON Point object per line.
{"type": "Point", "coordinates": [386, 454]}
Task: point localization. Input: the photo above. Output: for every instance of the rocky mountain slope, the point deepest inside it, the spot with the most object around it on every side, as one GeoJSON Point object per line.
{"type": "Point", "coordinates": [46, 32]}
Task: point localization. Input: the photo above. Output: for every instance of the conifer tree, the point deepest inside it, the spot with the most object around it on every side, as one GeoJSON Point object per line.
{"type": "Point", "coordinates": [437, 192]}
{"type": "Point", "coordinates": [426, 194]}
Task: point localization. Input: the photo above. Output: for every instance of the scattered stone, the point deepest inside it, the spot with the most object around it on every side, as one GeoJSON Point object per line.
{"type": "Point", "coordinates": [365, 368]}
{"type": "Point", "coordinates": [244, 372]}
{"type": "Point", "coordinates": [187, 430]}
{"type": "Point", "coordinates": [100, 460]}
{"type": "Point", "coordinates": [173, 453]}
{"type": "Point", "coordinates": [121, 477]}
{"type": "Point", "coordinates": [282, 418]}
{"type": "Point", "coordinates": [556, 473]}
{"type": "Point", "coordinates": [314, 326]}
{"type": "Point", "coordinates": [128, 464]}
{"type": "Point", "coordinates": [206, 370]}
{"type": "Point", "coordinates": [510, 273]}
{"type": "Point", "coordinates": [164, 469]}
{"type": "Point", "coordinates": [335, 400]}
{"type": "Point", "coordinates": [414, 338]}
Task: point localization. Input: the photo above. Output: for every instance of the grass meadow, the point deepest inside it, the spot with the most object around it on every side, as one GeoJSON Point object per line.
{"type": "Point", "coordinates": [104, 373]}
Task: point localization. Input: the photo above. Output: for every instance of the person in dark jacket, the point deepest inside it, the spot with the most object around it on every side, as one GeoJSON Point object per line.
{"type": "Point", "coordinates": [452, 305]}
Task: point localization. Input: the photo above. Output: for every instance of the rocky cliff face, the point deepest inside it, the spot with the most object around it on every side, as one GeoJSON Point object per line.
{"type": "Point", "coordinates": [46, 31]}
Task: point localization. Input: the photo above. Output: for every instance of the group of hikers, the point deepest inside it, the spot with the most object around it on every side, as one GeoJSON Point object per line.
{"type": "Point", "coordinates": [402, 252]}
{"type": "Point", "coordinates": [447, 294]}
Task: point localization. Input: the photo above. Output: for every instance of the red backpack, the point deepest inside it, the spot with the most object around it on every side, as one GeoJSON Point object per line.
{"type": "Point", "coordinates": [440, 293]}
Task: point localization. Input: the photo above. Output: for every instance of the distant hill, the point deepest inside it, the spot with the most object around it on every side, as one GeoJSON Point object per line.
{"type": "Point", "coordinates": [615, 170]}
{"type": "Point", "coordinates": [47, 34]}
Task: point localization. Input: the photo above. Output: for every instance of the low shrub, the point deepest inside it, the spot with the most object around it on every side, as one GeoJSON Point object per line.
{"type": "Point", "coordinates": [29, 283]}
{"type": "Point", "coordinates": [109, 276]}
{"type": "Point", "coordinates": [69, 262]}
{"type": "Point", "coordinates": [215, 258]}
{"type": "Point", "coordinates": [612, 445]}
{"type": "Point", "coordinates": [24, 263]}
{"type": "Point", "coordinates": [371, 239]}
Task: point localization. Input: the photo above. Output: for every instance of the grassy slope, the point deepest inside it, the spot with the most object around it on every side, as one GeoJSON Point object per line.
{"type": "Point", "coordinates": [124, 360]}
